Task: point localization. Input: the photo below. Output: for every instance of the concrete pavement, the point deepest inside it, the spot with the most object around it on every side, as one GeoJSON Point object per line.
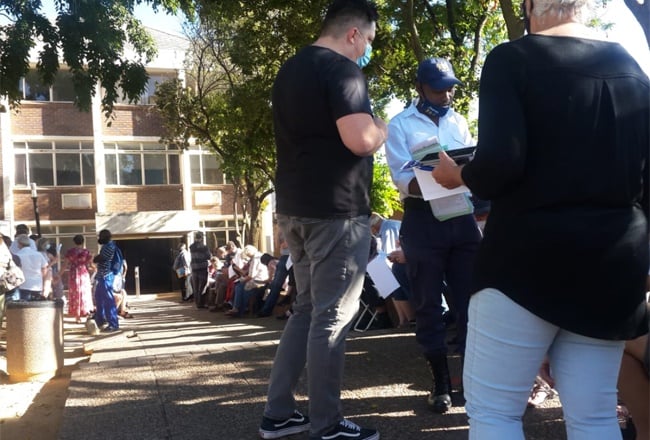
{"type": "Point", "coordinates": [175, 373]}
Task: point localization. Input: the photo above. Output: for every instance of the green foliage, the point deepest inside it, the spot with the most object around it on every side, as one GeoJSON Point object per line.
{"type": "Point", "coordinates": [88, 36]}
{"type": "Point", "coordinates": [91, 35]}
{"type": "Point", "coordinates": [225, 107]}
{"type": "Point", "coordinates": [461, 31]}
{"type": "Point", "coordinates": [240, 45]}
{"type": "Point", "coordinates": [384, 197]}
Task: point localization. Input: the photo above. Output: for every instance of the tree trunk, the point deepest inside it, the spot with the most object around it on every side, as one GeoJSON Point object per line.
{"type": "Point", "coordinates": [413, 31]}
{"type": "Point", "coordinates": [513, 19]}
{"type": "Point", "coordinates": [255, 230]}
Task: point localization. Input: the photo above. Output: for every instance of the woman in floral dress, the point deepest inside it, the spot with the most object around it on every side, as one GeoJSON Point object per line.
{"type": "Point", "coordinates": [79, 259]}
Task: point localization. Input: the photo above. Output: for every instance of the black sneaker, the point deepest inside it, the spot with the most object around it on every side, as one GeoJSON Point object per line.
{"type": "Point", "coordinates": [346, 430]}
{"type": "Point", "coordinates": [295, 424]}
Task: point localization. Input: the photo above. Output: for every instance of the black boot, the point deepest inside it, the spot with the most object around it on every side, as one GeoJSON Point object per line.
{"type": "Point", "coordinates": [440, 398]}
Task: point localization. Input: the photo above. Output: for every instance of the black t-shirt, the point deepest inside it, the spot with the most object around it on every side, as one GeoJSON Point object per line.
{"type": "Point", "coordinates": [317, 175]}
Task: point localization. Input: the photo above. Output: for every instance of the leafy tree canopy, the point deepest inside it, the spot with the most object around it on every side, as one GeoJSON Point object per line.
{"type": "Point", "coordinates": [226, 108]}
{"type": "Point", "coordinates": [384, 197]}
{"type": "Point", "coordinates": [88, 36]}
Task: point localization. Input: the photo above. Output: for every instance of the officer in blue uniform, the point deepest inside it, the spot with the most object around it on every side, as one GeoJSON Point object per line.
{"type": "Point", "coordinates": [439, 237]}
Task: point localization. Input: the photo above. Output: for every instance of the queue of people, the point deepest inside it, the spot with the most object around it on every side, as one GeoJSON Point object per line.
{"type": "Point", "coordinates": [240, 282]}
{"type": "Point", "coordinates": [95, 284]}
{"type": "Point", "coordinates": [551, 294]}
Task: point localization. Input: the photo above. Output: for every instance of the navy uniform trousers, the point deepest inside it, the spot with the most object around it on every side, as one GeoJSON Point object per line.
{"type": "Point", "coordinates": [438, 251]}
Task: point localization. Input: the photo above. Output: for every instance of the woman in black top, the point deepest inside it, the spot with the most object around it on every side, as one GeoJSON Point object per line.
{"type": "Point", "coordinates": [563, 156]}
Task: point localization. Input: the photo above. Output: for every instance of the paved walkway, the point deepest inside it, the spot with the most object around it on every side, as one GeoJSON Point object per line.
{"type": "Point", "coordinates": [175, 372]}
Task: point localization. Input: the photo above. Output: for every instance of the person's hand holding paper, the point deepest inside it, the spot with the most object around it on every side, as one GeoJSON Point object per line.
{"type": "Point", "coordinates": [432, 190]}
{"type": "Point", "coordinates": [447, 173]}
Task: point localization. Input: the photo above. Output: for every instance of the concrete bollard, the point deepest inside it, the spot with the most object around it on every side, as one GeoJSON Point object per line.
{"type": "Point", "coordinates": [34, 339]}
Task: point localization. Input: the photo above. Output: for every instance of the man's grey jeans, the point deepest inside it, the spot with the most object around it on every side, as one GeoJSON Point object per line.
{"type": "Point", "coordinates": [329, 263]}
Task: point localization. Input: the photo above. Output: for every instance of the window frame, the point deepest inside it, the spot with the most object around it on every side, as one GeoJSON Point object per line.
{"type": "Point", "coordinates": [148, 95]}
{"type": "Point", "coordinates": [22, 149]}
{"type": "Point", "coordinates": [22, 85]}
{"type": "Point", "coordinates": [202, 152]}
{"type": "Point", "coordinates": [141, 149]}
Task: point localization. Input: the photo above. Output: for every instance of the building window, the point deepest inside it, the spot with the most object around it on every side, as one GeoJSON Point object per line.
{"type": "Point", "coordinates": [62, 89]}
{"type": "Point", "coordinates": [148, 97]}
{"type": "Point", "coordinates": [146, 163]}
{"type": "Point", "coordinates": [220, 232]}
{"type": "Point", "coordinates": [54, 163]}
{"type": "Point", "coordinates": [20, 163]}
{"type": "Point", "coordinates": [130, 169]}
{"type": "Point", "coordinates": [111, 169]}
{"type": "Point", "coordinates": [41, 168]}
{"type": "Point", "coordinates": [74, 168]}
{"type": "Point", "coordinates": [154, 169]}
{"type": "Point", "coordinates": [68, 169]}
{"type": "Point", "coordinates": [57, 163]}
{"type": "Point", "coordinates": [87, 169]}
{"type": "Point", "coordinates": [174, 168]}
{"type": "Point", "coordinates": [154, 79]}
{"type": "Point", "coordinates": [205, 168]}
{"type": "Point", "coordinates": [33, 88]}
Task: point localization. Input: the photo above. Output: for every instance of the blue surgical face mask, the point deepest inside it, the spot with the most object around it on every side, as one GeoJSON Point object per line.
{"type": "Point", "coordinates": [428, 108]}
{"type": "Point", "coordinates": [364, 59]}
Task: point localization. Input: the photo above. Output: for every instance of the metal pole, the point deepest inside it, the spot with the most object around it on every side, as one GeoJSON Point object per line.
{"type": "Point", "coordinates": [37, 215]}
{"type": "Point", "coordinates": [136, 275]}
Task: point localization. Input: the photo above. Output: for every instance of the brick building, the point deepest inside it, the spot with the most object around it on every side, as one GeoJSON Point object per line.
{"type": "Point", "coordinates": [92, 175]}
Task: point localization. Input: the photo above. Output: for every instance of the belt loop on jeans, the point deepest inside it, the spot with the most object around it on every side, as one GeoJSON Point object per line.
{"type": "Point", "coordinates": [415, 203]}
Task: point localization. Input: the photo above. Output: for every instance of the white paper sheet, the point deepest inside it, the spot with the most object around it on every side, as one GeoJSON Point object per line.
{"type": "Point", "coordinates": [450, 207]}
{"type": "Point", "coordinates": [432, 189]}
{"type": "Point", "coordinates": [380, 272]}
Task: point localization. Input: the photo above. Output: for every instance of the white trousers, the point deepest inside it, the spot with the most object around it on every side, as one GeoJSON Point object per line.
{"type": "Point", "coordinates": [506, 345]}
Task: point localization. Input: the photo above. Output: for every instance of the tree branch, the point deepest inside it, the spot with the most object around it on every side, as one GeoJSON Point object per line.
{"type": "Point", "coordinates": [409, 18]}
{"type": "Point", "coordinates": [451, 23]}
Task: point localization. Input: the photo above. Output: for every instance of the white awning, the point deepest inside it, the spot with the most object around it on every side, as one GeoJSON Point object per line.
{"type": "Point", "coordinates": [152, 222]}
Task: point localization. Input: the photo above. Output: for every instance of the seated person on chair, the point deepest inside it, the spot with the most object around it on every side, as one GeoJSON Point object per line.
{"type": "Point", "coordinates": [278, 280]}
{"type": "Point", "coordinates": [237, 268]}
{"type": "Point", "coordinates": [252, 284]}
{"type": "Point", "coordinates": [214, 273]}
{"type": "Point", "coordinates": [271, 263]}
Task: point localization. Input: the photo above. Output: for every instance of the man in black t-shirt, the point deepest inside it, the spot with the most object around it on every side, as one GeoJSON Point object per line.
{"type": "Point", "coordinates": [326, 135]}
